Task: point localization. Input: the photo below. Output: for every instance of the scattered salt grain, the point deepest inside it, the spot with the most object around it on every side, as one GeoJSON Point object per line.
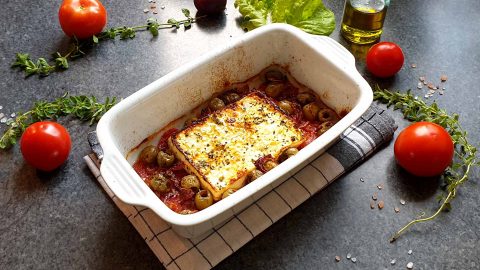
{"type": "Point", "coordinates": [396, 209]}
{"type": "Point", "coordinates": [162, 7]}
{"type": "Point", "coordinates": [422, 79]}
{"type": "Point", "coordinates": [374, 196]}
{"type": "Point", "coordinates": [410, 265]}
{"type": "Point", "coordinates": [1, 115]}
{"type": "Point", "coordinates": [155, 12]}
{"type": "Point", "coordinates": [410, 252]}
{"type": "Point", "coordinates": [354, 260]}
{"type": "Point", "coordinates": [431, 86]}
{"type": "Point", "coordinates": [443, 78]}
{"type": "Point", "coordinates": [443, 88]}
{"type": "Point", "coordinates": [419, 85]}
{"type": "Point", "coordinates": [402, 202]}
{"type": "Point", "coordinates": [361, 180]}
{"type": "Point", "coordinates": [393, 262]}
{"type": "Point", "coordinates": [372, 204]}
{"type": "Point", "coordinates": [145, 10]}
{"type": "Point", "coordinates": [380, 186]}
{"type": "Point", "coordinates": [3, 120]}
{"type": "Point", "coordinates": [381, 204]}
{"type": "Point", "coordinates": [1, 107]}
{"type": "Point", "coordinates": [12, 115]}
{"type": "Point", "coordinates": [337, 258]}
{"type": "Point", "coordinates": [349, 256]}
{"type": "Point", "coordinates": [413, 65]}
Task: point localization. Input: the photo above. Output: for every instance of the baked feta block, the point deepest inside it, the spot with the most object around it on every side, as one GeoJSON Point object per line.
{"type": "Point", "coordinates": [221, 148]}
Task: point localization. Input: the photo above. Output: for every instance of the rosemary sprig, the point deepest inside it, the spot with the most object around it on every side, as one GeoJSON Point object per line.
{"type": "Point", "coordinates": [82, 107]}
{"type": "Point", "coordinates": [77, 48]}
{"type": "Point", "coordinates": [415, 109]}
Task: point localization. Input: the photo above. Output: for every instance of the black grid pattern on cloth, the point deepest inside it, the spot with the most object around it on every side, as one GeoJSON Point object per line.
{"type": "Point", "coordinates": [206, 251]}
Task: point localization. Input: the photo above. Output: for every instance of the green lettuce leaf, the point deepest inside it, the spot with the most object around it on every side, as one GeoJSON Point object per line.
{"type": "Point", "coordinates": [309, 15]}
{"type": "Point", "coordinates": [255, 12]}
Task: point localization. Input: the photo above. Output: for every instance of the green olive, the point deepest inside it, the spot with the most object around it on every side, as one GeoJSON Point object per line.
{"type": "Point", "coordinates": [291, 152]}
{"type": "Point", "coordinates": [231, 97]}
{"type": "Point", "coordinates": [216, 104]}
{"type": "Point", "coordinates": [288, 153]}
{"type": "Point", "coordinates": [274, 76]}
{"type": "Point", "coordinates": [228, 192]}
{"type": "Point", "coordinates": [270, 165]}
{"type": "Point", "coordinates": [305, 98]}
{"type": "Point", "coordinates": [160, 183]}
{"type": "Point", "coordinates": [274, 89]}
{"type": "Point", "coordinates": [190, 121]}
{"type": "Point", "coordinates": [286, 106]}
{"type": "Point", "coordinates": [190, 181]}
{"type": "Point", "coordinates": [149, 154]}
{"type": "Point", "coordinates": [324, 127]}
{"type": "Point", "coordinates": [310, 111]}
{"type": "Point", "coordinates": [326, 114]}
{"type": "Point", "coordinates": [203, 199]}
{"type": "Point", "coordinates": [253, 175]}
{"type": "Point", "coordinates": [165, 160]}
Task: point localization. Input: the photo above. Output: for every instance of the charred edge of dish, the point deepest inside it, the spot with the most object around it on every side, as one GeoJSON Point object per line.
{"type": "Point", "coordinates": [344, 112]}
{"type": "Point", "coordinates": [179, 149]}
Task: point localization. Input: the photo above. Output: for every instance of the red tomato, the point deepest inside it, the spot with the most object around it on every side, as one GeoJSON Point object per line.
{"type": "Point", "coordinates": [424, 149]}
{"type": "Point", "coordinates": [45, 145]}
{"type": "Point", "coordinates": [210, 6]}
{"type": "Point", "coordinates": [384, 59]}
{"type": "Point", "coordinates": [82, 18]}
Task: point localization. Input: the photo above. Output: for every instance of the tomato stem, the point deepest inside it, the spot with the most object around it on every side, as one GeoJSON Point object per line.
{"type": "Point", "coordinates": [404, 228]}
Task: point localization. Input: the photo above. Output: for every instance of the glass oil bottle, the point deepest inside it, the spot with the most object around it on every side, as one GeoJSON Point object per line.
{"type": "Point", "coordinates": [363, 20]}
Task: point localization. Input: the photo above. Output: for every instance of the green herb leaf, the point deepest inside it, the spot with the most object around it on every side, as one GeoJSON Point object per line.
{"type": "Point", "coordinates": [77, 48]}
{"type": "Point", "coordinates": [153, 26]}
{"type": "Point", "coordinates": [127, 32]}
{"type": "Point", "coordinates": [82, 107]}
{"type": "Point", "coordinates": [21, 60]}
{"type": "Point", "coordinates": [60, 61]}
{"type": "Point", "coordinates": [186, 12]}
{"type": "Point", "coordinates": [174, 22]}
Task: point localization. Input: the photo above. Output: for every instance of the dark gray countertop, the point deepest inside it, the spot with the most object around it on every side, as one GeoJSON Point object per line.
{"type": "Point", "coordinates": [63, 220]}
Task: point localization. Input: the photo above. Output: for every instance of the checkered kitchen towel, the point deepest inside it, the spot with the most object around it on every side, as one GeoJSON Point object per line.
{"type": "Point", "coordinates": [360, 140]}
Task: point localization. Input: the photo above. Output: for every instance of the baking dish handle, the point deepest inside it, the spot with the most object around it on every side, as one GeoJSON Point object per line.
{"type": "Point", "coordinates": [340, 52]}
{"type": "Point", "coordinates": [120, 178]}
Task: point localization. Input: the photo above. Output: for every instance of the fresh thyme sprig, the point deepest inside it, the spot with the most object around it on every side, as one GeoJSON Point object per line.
{"type": "Point", "coordinates": [415, 109]}
{"type": "Point", "coordinates": [82, 107]}
{"type": "Point", "coordinates": [77, 49]}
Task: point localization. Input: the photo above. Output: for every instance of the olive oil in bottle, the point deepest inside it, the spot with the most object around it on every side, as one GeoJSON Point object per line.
{"type": "Point", "coordinates": [363, 20]}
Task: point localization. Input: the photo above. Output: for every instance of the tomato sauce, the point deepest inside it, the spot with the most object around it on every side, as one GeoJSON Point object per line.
{"type": "Point", "coordinates": [181, 200]}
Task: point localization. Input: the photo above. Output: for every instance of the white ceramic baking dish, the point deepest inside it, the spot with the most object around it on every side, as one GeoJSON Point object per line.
{"type": "Point", "coordinates": [319, 63]}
